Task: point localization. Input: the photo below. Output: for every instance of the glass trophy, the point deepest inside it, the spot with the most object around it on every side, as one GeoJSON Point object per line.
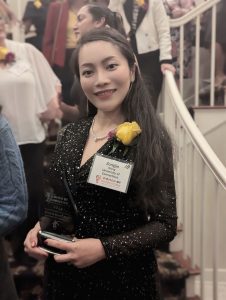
{"type": "Point", "coordinates": [59, 216]}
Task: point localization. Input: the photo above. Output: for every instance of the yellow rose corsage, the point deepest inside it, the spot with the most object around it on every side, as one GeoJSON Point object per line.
{"type": "Point", "coordinates": [140, 2]}
{"type": "Point", "coordinates": [3, 53]}
{"type": "Point", "coordinates": [38, 4]}
{"type": "Point", "coordinates": [126, 132]}
{"type": "Point", "coordinates": [6, 56]}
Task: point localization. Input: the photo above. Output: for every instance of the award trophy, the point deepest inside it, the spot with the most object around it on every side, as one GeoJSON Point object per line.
{"type": "Point", "coordinates": [59, 217]}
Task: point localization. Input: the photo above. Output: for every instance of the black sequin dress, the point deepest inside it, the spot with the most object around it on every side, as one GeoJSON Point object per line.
{"type": "Point", "coordinates": [128, 235]}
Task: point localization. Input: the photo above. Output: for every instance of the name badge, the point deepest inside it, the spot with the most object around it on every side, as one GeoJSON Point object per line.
{"type": "Point", "coordinates": [110, 173]}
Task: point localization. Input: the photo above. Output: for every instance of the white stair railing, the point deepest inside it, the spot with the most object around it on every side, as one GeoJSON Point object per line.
{"type": "Point", "coordinates": [201, 194]}
{"type": "Point", "coordinates": [195, 16]}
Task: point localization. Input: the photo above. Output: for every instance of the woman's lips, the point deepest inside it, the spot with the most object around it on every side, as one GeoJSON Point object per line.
{"type": "Point", "coordinates": [105, 93]}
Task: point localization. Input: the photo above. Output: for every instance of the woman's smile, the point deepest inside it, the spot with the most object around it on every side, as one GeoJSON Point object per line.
{"type": "Point", "coordinates": [105, 94]}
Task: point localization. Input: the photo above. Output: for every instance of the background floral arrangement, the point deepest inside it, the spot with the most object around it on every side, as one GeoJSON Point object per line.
{"type": "Point", "coordinates": [38, 4]}
{"type": "Point", "coordinates": [142, 3]}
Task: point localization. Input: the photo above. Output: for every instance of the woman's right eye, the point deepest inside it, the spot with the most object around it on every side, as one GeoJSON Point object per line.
{"type": "Point", "coordinates": [87, 73]}
{"type": "Point", "coordinates": [79, 18]}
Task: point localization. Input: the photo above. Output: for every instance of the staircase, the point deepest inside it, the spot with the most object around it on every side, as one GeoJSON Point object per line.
{"type": "Point", "coordinates": [201, 193]}
{"type": "Point", "coordinates": [200, 172]}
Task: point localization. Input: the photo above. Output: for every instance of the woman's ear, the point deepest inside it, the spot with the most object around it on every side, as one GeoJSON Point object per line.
{"type": "Point", "coordinates": [100, 23]}
{"type": "Point", "coordinates": [132, 73]}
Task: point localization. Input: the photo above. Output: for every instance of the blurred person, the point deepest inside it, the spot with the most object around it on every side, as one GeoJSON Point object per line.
{"type": "Point", "coordinates": [176, 9]}
{"type": "Point", "coordinates": [220, 46]}
{"type": "Point", "coordinates": [92, 16]}
{"type": "Point", "coordinates": [13, 201]}
{"type": "Point", "coordinates": [29, 96]}
{"type": "Point", "coordinates": [111, 255]}
{"type": "Point", "coordinates": [35, 15]}
{"type": "Point", "coordinates": [147, 27]}
{"type": "Point", "coordinates": [59, 41]}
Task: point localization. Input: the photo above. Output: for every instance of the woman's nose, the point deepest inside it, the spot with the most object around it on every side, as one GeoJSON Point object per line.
{"type": "Point", "coordinates": [75, 28]}
{"type": "Point", "coordinates": [102, 78]}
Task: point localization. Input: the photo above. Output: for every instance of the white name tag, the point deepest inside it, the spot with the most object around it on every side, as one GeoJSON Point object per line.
{"type": "Point", "coordinates": [110, 173]}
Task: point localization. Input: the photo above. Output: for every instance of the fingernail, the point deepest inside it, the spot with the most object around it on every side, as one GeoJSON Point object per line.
{"type": "Point", "coordinates": [33, 244]}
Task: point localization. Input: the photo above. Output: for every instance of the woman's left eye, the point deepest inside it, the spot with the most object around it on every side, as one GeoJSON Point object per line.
{"type": "Point", "coordinates": [112, 66]}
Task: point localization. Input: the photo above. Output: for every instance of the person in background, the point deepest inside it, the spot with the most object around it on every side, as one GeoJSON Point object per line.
{"type": "Point", "coordinates": [147, 27]}
{"type": "Point", "coordinates": [176, 9]}
{"type": "Point", "coordinates": [9, 13]}
{"type": "Point", "coordinates": [220, 46]}
{"type": "Point", "coordinates": [117, 230]}
{"type": "Point", "coordinates": [92, 16]}
{"type": "Point", "coordinates": [13, 201]}
{"type": "Point", "coordinates": [59, 41]}
{"type": "Point", "coordinates": [35, 15]}
{"type": "Point", "coordinates": [29, 97]}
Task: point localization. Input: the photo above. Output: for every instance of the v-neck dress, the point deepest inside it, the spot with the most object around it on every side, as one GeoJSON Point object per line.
{"type": "Point", "coordinates": [129, 236]}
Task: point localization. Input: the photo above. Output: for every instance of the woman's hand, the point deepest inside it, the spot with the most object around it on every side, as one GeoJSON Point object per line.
{"type": "Point", "coordinates": [169, 67]}
{"type": "Point", "coordinates": [81, 253]}
{"type": "Point", "coordinates": [31, 242]}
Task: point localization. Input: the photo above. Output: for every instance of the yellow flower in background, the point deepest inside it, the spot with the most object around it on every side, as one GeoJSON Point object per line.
{"type": "Point", "coordinates": [3, 53]}
{"type": "Point", "coordinates": [37, 4]}
{"type": "Point", "coordinates": [140, 2]}
{"type": "Point", "coordinates": [127, 131]}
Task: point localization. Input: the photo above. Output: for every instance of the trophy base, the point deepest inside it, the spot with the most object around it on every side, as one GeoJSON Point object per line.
{"type": "Point", "coordinates": [43, 235]}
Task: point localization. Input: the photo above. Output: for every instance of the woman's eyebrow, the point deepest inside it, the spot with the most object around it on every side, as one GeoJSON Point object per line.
{"type": "Point", "coordinates": [89, 64]}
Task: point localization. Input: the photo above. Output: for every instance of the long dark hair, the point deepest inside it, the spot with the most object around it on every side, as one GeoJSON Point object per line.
{"type": "Point", "coordinates": [153, 161]}
{"type": "Point", "coordinates": [112, 19]}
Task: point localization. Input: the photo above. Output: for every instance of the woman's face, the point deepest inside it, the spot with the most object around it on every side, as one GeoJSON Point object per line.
{"type": "Point", "coordinates": [2, 30]}
{"type": "Point", "coordinates": [105, 76]}
{"type": "Point", "coordinates": [85, 22]}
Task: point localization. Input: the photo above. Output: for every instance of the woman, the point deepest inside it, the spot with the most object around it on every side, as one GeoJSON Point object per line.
{"type": "Point", "coordinates": [147, 26]}
{"type": "Point", "coordinates": [176, 9]}
{"type": "Point", "coordinates": [116, 231]}
{"type": "Point", "coordinates": [35, 14]}
{"type": "Point", "coordinates": [89, 17]}
{"type": "Point", "coordinates": [29, 91]}
{"type": "Point", "coordinates": [220, 45]}
{"type": "Point", "coordinates": [93, 16]}
{"type": "Point", "coordinates": [59, 41]}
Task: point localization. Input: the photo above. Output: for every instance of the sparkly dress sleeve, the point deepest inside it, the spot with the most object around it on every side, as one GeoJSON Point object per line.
{"type": "Point", "coordinates": [160, 227]}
